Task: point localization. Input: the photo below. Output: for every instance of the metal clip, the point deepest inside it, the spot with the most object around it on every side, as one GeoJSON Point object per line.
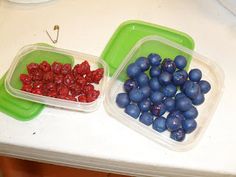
{"type": "Point", "coordinates": [56, 27]}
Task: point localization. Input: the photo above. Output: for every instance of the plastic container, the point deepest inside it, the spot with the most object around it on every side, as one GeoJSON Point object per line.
{"type": "Point", "coordinates": [211, 72]}
{"type": "Point", "coordinates": [37, 54]}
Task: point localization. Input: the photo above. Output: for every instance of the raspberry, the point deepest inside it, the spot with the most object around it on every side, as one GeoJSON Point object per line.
{"type": "Point", "coordinates": [97, 75]}
{"type": "Point", "coordinates": [63, 90]}
{"type": "Point", "coordinates": [32, 67]}
{"type": "Point", "coordinates": [56, 67]}
{"type": "Point", "coordinates": [81, 81]}
{"type": "Point", "coordinates": [71, 98]}
{"type": "Point", "coordinates": [66, 69]}
{"type": "Point", "coordinates": [89, 77]}
{"type": "Point", "coordinates": [82, 98]}
{"type": "Point", "coordinates": [38, 85]}
{"type": "Point", "coordinates": [69, 79]}
{"type": "Point", "coordinates": [82, 68]}
{"type": "Point", "coordinates": [25, 79]}
{"type": "Point", "coordinates": [37, 91]}
{"type": "Point", "coordinates": [58, 79]}
{"type": "Point", "coordinates": [27, 88]}
{"type": "Point", "coordinates": [36, 75]}
{"type": "Point", "coordinates": [52, 93]}
{"type": "Point", "coordinates": [88, 88]}
{"type": "Point", "coordinates": [45, 66]}
{"type": "Point", "coordinates": [50, 86]}
{"type": "Point", "coordinates": [75, 89]}
{"type": "Point", "coordinates": [48, 77]}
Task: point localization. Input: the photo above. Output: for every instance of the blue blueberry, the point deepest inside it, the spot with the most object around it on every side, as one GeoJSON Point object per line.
{"type": "Point", "coordinates": [136, 95]}
{"type": "Point", "coordinates": [191, 113]}
{"type": "Point", "coordinates": [143, 63]}
{"type": "Point", "coordinates": [189, 125]}
{"type": "Point", "coordinates": [179, 77]}
{"type": "Point", "coordinates": [191, 89]}
{"type": "Point", "coordinates": [144, 105]}
{"type": "Point", "coordinates": [195, 75]}
{"type": "Point", "coordinates": [169, 104]}
{"type": "Point", "coordinates": [122, 100]}
{"type": "Point", "coordinates": [176, 114]}
{"type": "Point", "coordinates": [130, 84]}
{"type": "Point", "coordinates": [165, 78]}
{"type": "Point", "coordinates": [132, 110]}
{"type": "Point", "coordinates": [183, 104]}
{"type": "Point", "coordinates": [169, 90]}
{"type": "Point", "coordinates": [146, 118]}
{"type": "Point", "coordinates": [156, 97]}
{"type": "Point", "coordinates": [199, 99]}
{"type": "Point", "coordinates": [185, 84]}
{"type": "Point", "coordinates": [204, 86]}
{"type": "Point", "coordinates": [179, 95]}
{"type": "Point", "coordinates": [158, 110]}
{"type": "Point", "coordinates": [155, 71]}
{"type": "Point", "coordinates": [180, 62]}
{"type": "Point", "coordinates": [159, 124]}
{"type": "Point", "coordinates": [142, 79]}
{"type": "Point", "coordinates": [154, 84]}
{"type": "Point", "coordinates": [154, 59]}
{"type": "Point", "coordinates": [168, 65]}
{"type": "Point", "coordinates": [178, 135]}
{"type": "Point", "coordinates": [146, 90]}
{"type": "Point", "coordinates": [133, 70]}
{"type": "Point", "coordinates": [173, 123]}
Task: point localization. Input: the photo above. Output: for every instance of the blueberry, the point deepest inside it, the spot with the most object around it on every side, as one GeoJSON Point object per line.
{"type": "Point", "coordinates": [132, 110]}
{"type": "Point", "coordinates": [146, 118]}
{"type": "Point", "coordinates": [146, 90]}
{"type": "Point", "coordinates": [158, 110]}
{"type": "Point", "coordinates": [130, 84]}
{"type": "Point", "coordinates": [156, 97]}
{"type": "Point", "coordinates": [143, 63]}
{"type": "Point", "coordinates": [154, 59]}
{"type": "Point", "coordinates": [168, 65]}
{"type": "Point", "coordinates": [154, 84]}
{"type": "Point", "coordinates": [178, 135]}
{"type": "Point", "coordinates": [204, 86]}
{"type": "Point", "coordinates": [169, 90]}
{"type": "Point", "coordinates": [173, 123]}
{"type": "Point", "coordinates": [159, 124]}
{"type": "Point", "coordinates": [183, 104]}
{"type": "Point", "coordinates": [199, 99]}
{"type": "Point", "coordinates": [191, 113]}
{"type": "Point", "coordinates": [144, 105]}
{"type": "Point", "coordinates": [142, 79]}
{"type": "Point", "coordinates": [179, 77]}
{"type": "Point", "coordinates": [155, 71]}
{"type": "Point", "coordinates": [122, 100]}
{"type": "Point", "coordinates": [195, 75]}
{"type": "Point", "coordinates": [136, 95]}
{"type": "Point", "coordinates": [169, 104]}
{"type": "Point", "coordinates": [191, 89]}
{"type": "Point", "coordinates": [180, 62]}
{"type": "Point", "coordinates": [165, 78]}
{"type": "Point", "coordinates": [184, 85]}
{"type": "Point", "coordinates": [133, 70]}
{"type": "Point", "coordinates": [189, 125]}
{"type": "Point", "coordinates": [179, 95]}
{"type": "Point", "coordinates": [176, 114]}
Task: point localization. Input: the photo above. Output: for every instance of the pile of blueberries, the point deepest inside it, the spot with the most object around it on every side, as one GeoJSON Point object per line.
{"type": "Point", "coordinates": [162, 94]}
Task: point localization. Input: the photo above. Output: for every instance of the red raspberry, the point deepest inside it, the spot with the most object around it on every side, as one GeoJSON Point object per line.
{"type": "Point", "coordinates": [69, 79]}
{"type": "Point", "coordinates": [25, 79]}
{"type": "Point", "coordinates": [97, 75]}
{"type": "Point", "coordinates": [27, 88]}
{"type": "Point", "coordinates": [89, 77]}
{"type": "Point", "coordinates": [52, 93]}
{"type": "Point", "coordinates": [38, 84]}
{"type": "Point", "coordinates": [92, 95]}
{"type": "Point", "coordinates": [81, 69]}
{"type": "Point", "coordinates": [50, 86]}
{"type": "Point", "coordinates": [61, 97]}
{"type": "Point", "coordinates": [32, 67]}
{"type": "Point", "coordinates": [45, 66]}
{"type": "Point", "coordinates": [36, 75]}
{"type": "Point", "coordinates": [88, 88]}
{"type": "Point", "coordinates": [66, 69]}
{"type": "Point", "coordinates": [56, 67]}
{"type": "Point", "coordinates": [48, 77]}
{"type": "Point", "coordinates": [90, 99]}
{"type": "Point", "coordinates": [81, 81]}
{"type": "Point", "coordinates": [82, 98]}
{"type": "Point", "coordinates": [58, 79]}
{"type": "Point", "coordinates": [75, 89]}
{"type": "Point", "coordinates": [70, 97]}
{"type": "Point", "coordinates": [63, 90]}
{"type": "Point", "coordinates": [37, 91]}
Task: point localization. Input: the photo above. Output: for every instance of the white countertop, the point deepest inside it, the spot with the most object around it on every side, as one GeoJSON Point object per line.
{"type": "Point", "coordinates": [96, 140]}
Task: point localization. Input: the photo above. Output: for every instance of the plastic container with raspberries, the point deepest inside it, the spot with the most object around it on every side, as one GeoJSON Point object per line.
{"type": "Point", "coordinates": [57, 77]}
{"type": "Point", "coordinates": [165, 92]}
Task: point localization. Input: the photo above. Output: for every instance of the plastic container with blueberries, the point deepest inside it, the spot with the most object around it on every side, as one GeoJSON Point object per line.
{"type": "Point", "coordinates": [38, 53]}
{"type": "Point", "coordinates": [167, 49]}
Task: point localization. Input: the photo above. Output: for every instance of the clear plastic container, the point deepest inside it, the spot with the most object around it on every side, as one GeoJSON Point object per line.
{"type": "Point", "coordinates": [211, 72]}
{"type": "Point", "coordinates": [39, 53]}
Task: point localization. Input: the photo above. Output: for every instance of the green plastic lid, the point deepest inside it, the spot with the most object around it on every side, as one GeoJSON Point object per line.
{"type": "Point", "coordinates": [130, 32]}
